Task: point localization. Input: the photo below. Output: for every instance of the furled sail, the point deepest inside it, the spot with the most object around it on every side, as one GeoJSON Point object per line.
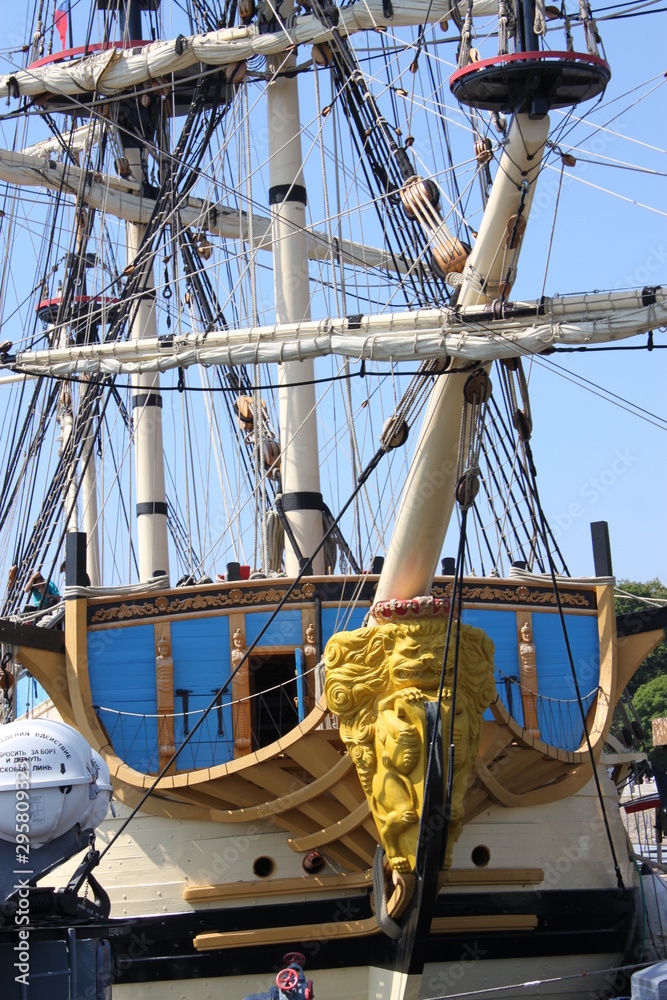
{"type": "Point", "coordinates": [115, 69]}
{"type": "Point", "coordinates": [473, 334]}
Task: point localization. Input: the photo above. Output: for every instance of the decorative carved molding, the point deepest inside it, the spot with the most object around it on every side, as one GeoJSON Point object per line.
{"type": "Point", "coordinates": [521, 594]}
{"type": "Point", "coordinates": [377, 680]}
{"type": "Point", "coordinates": [264, 593]}
{"type": "Point", "coordinates": [174, 605]}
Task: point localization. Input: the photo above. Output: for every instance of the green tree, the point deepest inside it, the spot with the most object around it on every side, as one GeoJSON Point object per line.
{"type": "Point", "coordinates": [650, 702]}
{"type": "Point", "coordinates": [648, 687]}
{"type": "Point", "coordinates": [654, 665]}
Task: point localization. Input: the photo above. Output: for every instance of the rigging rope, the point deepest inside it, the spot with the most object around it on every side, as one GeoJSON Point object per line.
{"type": "Point", "coordinates": [575, 680]}
{"type": "Point", "coordinates": [304, 570]}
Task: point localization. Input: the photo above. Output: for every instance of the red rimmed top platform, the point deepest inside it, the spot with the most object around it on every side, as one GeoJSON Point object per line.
{"type": "Point", "coordinates": [85, 50]}
{"type": "Point", "coordinates": [82, 307]}
{"type": "Point", "coordinates": [517, 80]}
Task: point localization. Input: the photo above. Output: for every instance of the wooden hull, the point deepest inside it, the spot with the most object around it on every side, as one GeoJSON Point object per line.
{"type": "Point", "coordinates": [189, 914]}
{"type": "Point", "coordinates": [301, 780]}
{"type": "Point", "coordinates": [207, 883]}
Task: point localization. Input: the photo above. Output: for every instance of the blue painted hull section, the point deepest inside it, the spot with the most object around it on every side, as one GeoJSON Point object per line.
{"type": "Point", "coordinates": [122, 676]}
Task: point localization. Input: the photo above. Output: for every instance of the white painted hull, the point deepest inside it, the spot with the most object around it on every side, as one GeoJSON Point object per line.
{"type": "Point", "coordinates": [148, 869]}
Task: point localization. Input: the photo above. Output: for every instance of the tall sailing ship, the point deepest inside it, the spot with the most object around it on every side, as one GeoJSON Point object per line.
{"type": "Point", "coordinates": [260, 348]}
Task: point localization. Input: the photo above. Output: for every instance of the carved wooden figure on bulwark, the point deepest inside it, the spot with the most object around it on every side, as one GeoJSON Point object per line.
{"type": "Point", "coordinates": [377, 681]}
{"type": "Point", "coordinates": [242, 711]}
{"type": "Point", "coordinates": [164, 686]}
{"type": "Point", "coordinates": [528, 680]}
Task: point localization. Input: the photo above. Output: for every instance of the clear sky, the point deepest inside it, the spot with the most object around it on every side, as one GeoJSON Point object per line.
{"type": "Point", "coordinates": [598, 461]}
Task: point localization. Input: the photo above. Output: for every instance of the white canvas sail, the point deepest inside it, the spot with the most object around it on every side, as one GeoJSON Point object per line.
{"type": "Point", "coordinates": [408, 336]}
{"type": "Point", "coordinates": [116, 69]}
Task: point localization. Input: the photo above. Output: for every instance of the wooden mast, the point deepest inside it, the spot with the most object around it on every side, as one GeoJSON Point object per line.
{"type": "Point", "coordinates": [151, 503]}
{"type": "Point", "coordinates": [302, 496]}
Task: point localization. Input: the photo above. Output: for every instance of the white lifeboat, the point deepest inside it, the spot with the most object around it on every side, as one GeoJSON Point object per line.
{"type": "Point", "coordinates": [50, 779]}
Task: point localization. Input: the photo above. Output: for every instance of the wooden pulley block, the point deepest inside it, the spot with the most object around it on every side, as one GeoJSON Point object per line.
{"type": "Point", "coordinates": [418, 195]}
{"type": "Point", "coordinates": [467, 488]}
{"type": "Point", "coordinates": [235, 72]}
{"type": "Point", "coordinates": [246, 413]}
{"type": "Point", "coordinates": [204, 247]}
{"type": "Point", "coordinates": [247, 10]}
{"type": "Point", "coordinates": [483, 152]}
{"type": "Point", "coordinates": [395, 432]}
{"type": "Point", "coordinates": [478, 388]}
{"type": "Point", "coordinates": [322, 54]}
{"type": "Point", "coordinates": [122, 165]}
{"type": "Point", "coordinates": [243, 407]}
{"type": "Point", "coordinates": [516, 227]}
{"type": "Point", "coordinates": [449, 256]}
{"type": "Point", "coordinates": [272, 457]}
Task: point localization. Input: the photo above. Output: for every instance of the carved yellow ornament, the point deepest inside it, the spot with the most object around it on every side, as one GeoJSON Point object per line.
{"type": "Point", "coordinates": [377, 680]}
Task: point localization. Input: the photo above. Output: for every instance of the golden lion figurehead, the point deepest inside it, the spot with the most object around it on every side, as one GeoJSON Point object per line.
{"type": "Point", "coordinates": [377, 679]}
{"type": "Point", "coordinates": [365, 665]}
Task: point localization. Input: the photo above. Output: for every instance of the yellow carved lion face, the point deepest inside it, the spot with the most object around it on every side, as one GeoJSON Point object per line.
{"type": "Point", "coordinates": [414, 656]}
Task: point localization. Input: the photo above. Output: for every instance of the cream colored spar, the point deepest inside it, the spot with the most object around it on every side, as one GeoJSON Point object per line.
{"type": "Point", "coordinates": [428, 495]}
{"type": "Point", "coordinates": [147, 420]}
{"type": "Point", "coordinates": [114, 70]}
{"type": "Point", "coordinates": [66, 421]}
{"type": "Point", "coordinates": [300, 467]}
{"type": "Point", "coordinates": [89, 507]}
{"type": "Point", "coordinates": [116, 196]}
{"type": "Point", "coordinates": [597, 318]}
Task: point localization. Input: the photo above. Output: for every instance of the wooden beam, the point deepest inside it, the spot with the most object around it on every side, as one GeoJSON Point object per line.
{"type": "Point", "coordinates": [278, 887]}
{"type": "Point", "coordinates": [32, 637]}
{"type": "Point", "coordinates": [481, 923]}
{"type": "Point", "coordinates": [491, 876]}
{"type": "Point", "coordinates": [343, 827]}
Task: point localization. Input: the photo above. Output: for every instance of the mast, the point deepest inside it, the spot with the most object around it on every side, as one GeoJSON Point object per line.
{"type": "Point", "coordinates": [429, 493]}
{"type": "Point", "coordinates": [66, 421]}
{"type": "Point", "coordinates": [151, 504]}
{"type": "Point", "coordinates": [302, 497]}
{"type": "Point", "coordinates": [89, 506]}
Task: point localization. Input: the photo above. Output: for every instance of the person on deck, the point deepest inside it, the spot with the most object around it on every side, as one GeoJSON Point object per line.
{"type": "Point", "coordinates": [44, 593]}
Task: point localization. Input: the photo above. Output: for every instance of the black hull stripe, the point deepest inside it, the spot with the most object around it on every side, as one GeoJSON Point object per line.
{"type": "Point", "coordinates": [160, 948]}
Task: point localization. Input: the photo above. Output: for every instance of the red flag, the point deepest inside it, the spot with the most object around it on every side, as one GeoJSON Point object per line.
{"type": "Point", "coordinates": [60, 21]}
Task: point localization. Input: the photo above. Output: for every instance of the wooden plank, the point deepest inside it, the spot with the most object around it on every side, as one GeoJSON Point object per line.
{"type": "Point", "coordinates": [32, 637]}
{"type": "Point", "coordinates": [483, 923]}
{"type": "Point", "coordinates": [287, 935]}
{"type": "Point", "coordinates": [359, 928]}
{"type": "Point", "coordinates": [278, 887]}
{"type": "Point", "coordinates": [491, 876]}
{"type": "Point", "coordinates": [363, 880]}
{"type": "Point", "coordinates": [347, 825]}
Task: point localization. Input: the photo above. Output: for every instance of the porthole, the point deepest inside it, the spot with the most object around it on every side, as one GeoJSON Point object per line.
{"type": "Point", "coordinates": [264, 867]}
{"type": "Point", "coordinates": [480, 856]}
